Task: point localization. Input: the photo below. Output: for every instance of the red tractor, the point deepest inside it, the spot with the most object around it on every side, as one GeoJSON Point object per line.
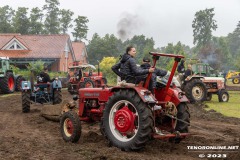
{"type": "Point", "coordinates": [130, 115]}
{"type": "Point", "coordinates": [81, 76]}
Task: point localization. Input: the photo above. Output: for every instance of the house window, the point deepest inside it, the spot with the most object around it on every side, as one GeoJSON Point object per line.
{"type": "Point", "coordinates": [14, 46]}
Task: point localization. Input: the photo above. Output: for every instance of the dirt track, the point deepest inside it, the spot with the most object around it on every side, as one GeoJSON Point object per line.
{"type": "Point", "coordinates": [30, 136]}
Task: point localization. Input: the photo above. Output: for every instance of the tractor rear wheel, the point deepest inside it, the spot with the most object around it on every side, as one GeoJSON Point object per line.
{"type": "Point", "coordinates": [209, 96]}
{"type": "Point", "coordinates": [70, 88]}
{"type": "Point", "coordinates": [223, 96]}
{"type": "Point", "coordinates": [7, 84]}
{"type": "Point", "coordinates": [184, 115]}
{"type": "Point", "coordinates": [26, 101]}
{"type": "Point", "coordinates": [127, 121]}
{"type": "Point", "coordinates": [70, 126]}
{"type": "Point", "coordinates": [196, 91]}
{"type": "Point", "coordinates": [88, 83]}
{"type": "Point", "coordinates": [235, 81]}
{"type": "Point", "coordinates": [19, 83]}
{"type": "Point", "coordinates": [57, 96]}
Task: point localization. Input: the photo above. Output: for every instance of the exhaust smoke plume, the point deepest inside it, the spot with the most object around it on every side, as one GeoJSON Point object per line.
{"type": "Point", "coordinates": [127, 25]}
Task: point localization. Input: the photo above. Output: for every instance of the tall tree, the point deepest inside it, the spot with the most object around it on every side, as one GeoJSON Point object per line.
{"type": "Point", "coordinates": [234, 40]}
{"type": "Point", "coordinates": [6, 14]}
{"type": "Point", "coordinates": [21, 21]}
{"type": "Point", "coordinates": [203, 25]}
{"type": "Point", "coordinates": [65, 20]}
{"type": "Point", "coordinates": [107, 46]}
{"type": "Point", "coordinates": [36, 25]}
{"type": "Point", "coordinates": [81, 28]}
{"type": "Point", "coordinates": [51, 24]}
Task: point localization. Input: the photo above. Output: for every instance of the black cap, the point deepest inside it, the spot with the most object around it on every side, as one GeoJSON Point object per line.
{"type": "Point", "coordinates": [146, 59]}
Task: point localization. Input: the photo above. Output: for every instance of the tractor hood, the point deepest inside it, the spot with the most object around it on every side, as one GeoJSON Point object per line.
{"type": "Point", "coordinates": [163, 80]}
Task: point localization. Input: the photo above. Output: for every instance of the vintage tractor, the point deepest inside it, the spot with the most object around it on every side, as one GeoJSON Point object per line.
{"type": "Point", "coordinates": [43, 93]}
{"type": "Point", "coordinates": [216, 85]}
{"type": "Point", "coordinates": [8, 81]}
{"type": "Point", "coordinates": [81, 76]}
{"type": "Point", "coordinates": [129, 114]}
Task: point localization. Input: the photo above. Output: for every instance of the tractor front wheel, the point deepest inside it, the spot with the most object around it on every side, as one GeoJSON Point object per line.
{"type": "Point", "coordinates": [19, 83]}
{"type": "Point", "coordinates": [223, 96]}
{"type": "Point", "coordinates": [184, 115]}
{"type": "Point", "coordinates": [70, 126]}
{"type": "Point", "coordinates": [7, 84]}
{"type": "Point", "coordinates": [26, 101]}
{"type": "Point", "coordinates": [127, 121]}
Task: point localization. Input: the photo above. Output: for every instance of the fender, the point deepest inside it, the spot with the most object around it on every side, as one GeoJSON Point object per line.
{"type": "Point", "coordinates": [143, 93]}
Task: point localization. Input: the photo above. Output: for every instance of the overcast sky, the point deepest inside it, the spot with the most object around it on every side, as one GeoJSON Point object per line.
{"type": "Point", "coordinates": [167, 21]}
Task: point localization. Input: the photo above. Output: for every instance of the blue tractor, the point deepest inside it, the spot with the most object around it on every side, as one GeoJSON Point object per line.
{"type": "Point", "coordinates": [43, 93]}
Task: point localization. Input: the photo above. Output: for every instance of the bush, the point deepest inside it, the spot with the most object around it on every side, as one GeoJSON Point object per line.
{"type": "Point", "coordinates": [105, 65]}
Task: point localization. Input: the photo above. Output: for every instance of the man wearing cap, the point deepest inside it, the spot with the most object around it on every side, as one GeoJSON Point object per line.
{"type": "Point", "coordinates": [157, 72]}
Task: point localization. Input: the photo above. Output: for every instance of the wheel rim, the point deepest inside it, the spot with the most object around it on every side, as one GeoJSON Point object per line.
{"type": "Point", "coordinates": [88, 85]}
{"type": "Point", "coordinates": [236, 80]}
{"type": "Point", "coordinates": [11, 83]}
{"type": "Point", "coordinates": [224, 97]}
{"type": "Point", "coordinates": [197, 92]}
{"type": "Point", "coordinates": [68, 127]}
{"type": "Point", "coordinates": [123, 120]}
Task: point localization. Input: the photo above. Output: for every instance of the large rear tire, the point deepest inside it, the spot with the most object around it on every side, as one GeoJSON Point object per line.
{"type": "Point", "coordinates": [70, 126]}
{"type": "Point", "coordinates": [127, 121]}
{"type": "Point", "coordinates": [7, 84]}
{"type": "Point", "coordinates": [57, 96]}
{"type": "Point", "coordinates": [195, 90]}
{"type": "Point", "coordinates": [26, 101]}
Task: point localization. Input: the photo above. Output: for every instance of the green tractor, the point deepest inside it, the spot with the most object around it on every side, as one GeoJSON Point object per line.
{"type": "Point", "coordinates": [8, 82]}
{"type": "Point", "coordinates": [203, 69]}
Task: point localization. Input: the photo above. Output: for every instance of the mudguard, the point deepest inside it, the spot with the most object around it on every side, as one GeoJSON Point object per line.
{"type": "Point", "coordinates": [143, 93]}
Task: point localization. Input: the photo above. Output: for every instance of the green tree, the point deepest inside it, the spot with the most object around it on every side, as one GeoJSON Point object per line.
{"type": "Point", "coordinates": [81, 28]}
{"type": "Point", "coordinates": [107, 46]}
{"type": "Point", "coordinates": [65, 20]}
{"type": "Point", "coordinates": [234, 40]}
{"type": "Point", "coordinates": [6, 14]}
{"type": "Point", "coordinates": [203, 25]}
{"type": "Point", "coordinates": [21, 21]}
{"type": "Point", "coordinates": [52, 24]}
{"type": "Point", "coordinates": [36, 25]}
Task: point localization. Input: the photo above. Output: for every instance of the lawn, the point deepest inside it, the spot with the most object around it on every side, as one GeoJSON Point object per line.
{"type": "Point", "coordinates": [230, 108]}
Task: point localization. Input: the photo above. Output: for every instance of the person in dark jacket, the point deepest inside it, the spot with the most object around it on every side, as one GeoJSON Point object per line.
{"type": "Point", "coordinates": [181, 67]}
{"type": "Point", "coordinates": [43, 76]}
{"type": "Point", "coordinates": [157, 72]}
{"type": "Point", "coordinates": [127, 68]}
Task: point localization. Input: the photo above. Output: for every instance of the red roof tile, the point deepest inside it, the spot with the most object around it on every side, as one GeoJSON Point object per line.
{"type": "Point", "coordinates": [78, 48]}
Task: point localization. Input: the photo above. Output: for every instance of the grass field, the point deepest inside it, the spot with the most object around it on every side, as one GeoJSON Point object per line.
{"type": "Point", "coordinates": [230, 108]}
